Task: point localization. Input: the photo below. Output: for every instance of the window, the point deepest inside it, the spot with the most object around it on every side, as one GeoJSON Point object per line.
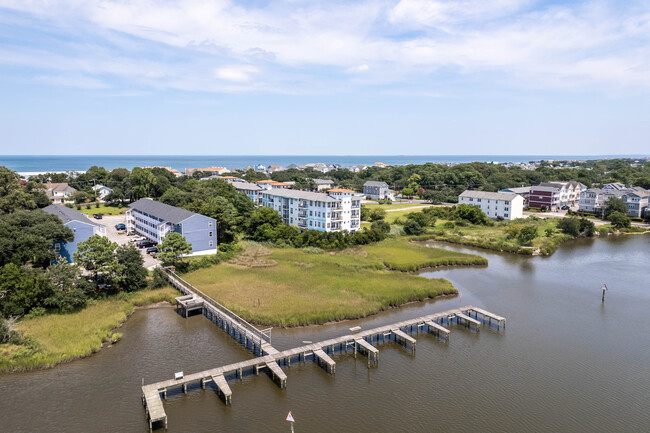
{"type": "Point", "coordinates": [209, 234]}
{"type": "Point", "coordinates": [57, 247]}
{"type": "Point", "coordinates": [210, 243]}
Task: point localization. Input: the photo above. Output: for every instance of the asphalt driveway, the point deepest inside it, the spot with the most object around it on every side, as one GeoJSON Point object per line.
{"type": "Point", "coordinates": [121, 238]}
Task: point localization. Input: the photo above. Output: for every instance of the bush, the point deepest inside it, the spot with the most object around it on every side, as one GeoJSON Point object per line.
{"type": "Point", "coordinates": [381, 226]}
{"type": "Point", "coordinates": [159, 279]}
{"type": "Point", "coordinates": [411, 227]}
{"type": "Point", "coordinates": [527, 234]}
{"type": "Point", "coordinates": [569, 226]}
{"type": "Point", "coordinates": [377, 214]}
{"type": "Point", "coordinates": [619, 220]}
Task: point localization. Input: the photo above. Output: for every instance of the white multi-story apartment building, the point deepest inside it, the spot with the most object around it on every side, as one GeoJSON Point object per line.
{"type": "Point", "coordinates": [337, 210]}
{"type": "Point", "coordinates": [507, 206]}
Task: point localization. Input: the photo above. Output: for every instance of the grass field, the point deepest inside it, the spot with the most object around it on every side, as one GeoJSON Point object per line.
{"type": "Point", "coordinates": [495, 237]}
{"type": "Point", "coordinates": [57, 338]}
{"type": "Point", "coordinates": [299, 288]}
{"type": "Point", "coordinates": [102, 209]}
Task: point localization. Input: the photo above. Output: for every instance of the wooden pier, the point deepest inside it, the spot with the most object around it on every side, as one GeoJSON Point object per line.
{"type": "Point", "coordinates": [272, 360]}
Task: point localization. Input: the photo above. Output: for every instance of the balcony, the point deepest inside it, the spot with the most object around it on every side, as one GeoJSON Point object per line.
{"type": "Point", "coordinates": [337, 217]}
{"type": "Point", "coordinates": [302, 205]}
{"type": "Point", "coordinates": [337, 208]}
{"type": "Point", "coordinates": [302, 214]}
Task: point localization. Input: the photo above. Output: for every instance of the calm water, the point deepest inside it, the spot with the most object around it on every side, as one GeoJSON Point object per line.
{"type": "Point", "coordinates": [41, 163]}
{"type": "Point", "coordinates": [565, 363]}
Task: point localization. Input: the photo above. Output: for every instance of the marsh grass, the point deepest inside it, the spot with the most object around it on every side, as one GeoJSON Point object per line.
{"type": "Point", "coordinates": [305, 288]}
{"type": "Point", "coordinates": [57, 338]}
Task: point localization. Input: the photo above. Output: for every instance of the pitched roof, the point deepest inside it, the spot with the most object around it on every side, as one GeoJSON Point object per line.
{"type": "Point", "coordinates": [323, 181]}
{"type": "Point", "coordinates": [67, 214]}
{"type": "Point", "coordinates": [518, 190]}
{"type": "Point", "coordinates": [489, 195]}
{"type": "Point", "coordinates": [375, 183]}
{"type": "Point", "coordinates": [302, 195]}
{"type": "Point", "coordinates": [340, 190]}
{"type": "Point", "coordinates": [544, 188]}
{"type": "Point", "coordinates": [247, 186]}
{"type": "Point", "coordinates": [60, 187]}
{"type": "Point", "coordinates": [160, 210]}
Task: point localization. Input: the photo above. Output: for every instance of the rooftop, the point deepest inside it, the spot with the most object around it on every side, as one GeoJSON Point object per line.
{"type": "Point", "coordinates": [489, 195]}
{"type": "Point", "coordinates": [341, 190]}
{"type": "Point", "coordinates": [160, 210]}
{"type": "Point", "coordinates": [67, 214]}
{"type": "Point", "coordinates": [375, 183]}
{"type": "Point", "coordinates": [301, 195]}
{"type": "Point", "coordinates": [246, 186]}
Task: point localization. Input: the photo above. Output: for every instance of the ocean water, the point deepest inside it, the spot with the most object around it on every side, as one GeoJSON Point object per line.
{"type": "Point", "coordinates": [45, 163]}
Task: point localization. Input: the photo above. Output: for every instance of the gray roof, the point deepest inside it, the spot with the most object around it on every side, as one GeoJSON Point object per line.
{"type": "Point", "coordinates": [545, 188]}
{"type": "Point", "coordinates": [302, 195]}
{"type": "Point", "coordinates": [67, 214]}
{"type": "Point", "coordinates": [160, 210]}
{"type": "Point", "coordinates": [518, 190]}
{"type": "Point", "coordinates": [489, 195]}
{"type": "Point", "coordinates": [246, 186]}
{"type": "Point", "coordinates": [323, 181]}
{"type": "Point", "coordinates": [376, 183]}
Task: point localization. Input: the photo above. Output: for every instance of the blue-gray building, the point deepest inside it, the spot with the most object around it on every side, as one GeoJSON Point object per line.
{"type": "Point", "coordinates": [82, 227]}
{"type": "Point", "coordinates": [155, 220]}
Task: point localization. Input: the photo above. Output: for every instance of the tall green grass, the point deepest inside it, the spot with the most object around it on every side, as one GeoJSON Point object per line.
{"type": "Point", "coordinates": [305, 288]}
{"type": "Point", "coordinates": [57, 338]}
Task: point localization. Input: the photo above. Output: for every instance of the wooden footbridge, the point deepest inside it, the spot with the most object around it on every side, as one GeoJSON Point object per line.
{"type": "Point", "coordinates": [270, 360]}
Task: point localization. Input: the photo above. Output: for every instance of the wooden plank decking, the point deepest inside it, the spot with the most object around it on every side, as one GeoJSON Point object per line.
{"type": "Point", "coordinates": [437, 327]}
{"type": "Point", "coordinates": [468, 319]}
{"type": "Point", "coordinates": [406, 338]}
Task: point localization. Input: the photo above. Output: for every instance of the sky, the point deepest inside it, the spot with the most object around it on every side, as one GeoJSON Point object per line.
{"type": "Point", "coordinates": [418, 77]}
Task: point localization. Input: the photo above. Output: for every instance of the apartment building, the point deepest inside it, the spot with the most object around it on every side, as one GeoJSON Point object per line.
{"type": "Point", "coordinates": [253, 191]}
{"type": "Point", "coordinates": [337, 210]}
{"type": "Point", "coordinates": [502, 205]}
{"type": "Point", "coordinates": [155, 220]}
{"type": "Point", "coordinates": [82, 227]}
{"type": "Point", "coordinates": [555, 195]}
{"type": "Point", "coordinates": [377, 190]}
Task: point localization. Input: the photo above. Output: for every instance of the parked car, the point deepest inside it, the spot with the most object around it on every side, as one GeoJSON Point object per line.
{"type": "Point", "coordinates": [151, 250]}
{"type": "Point", "coordinates": [120, 226]}
{"type": "Point", "coordinates": [97, 216]}
{"type": "Point", "coordinates": [138, 239]}
{"type": "Point", "coordinates": [146, 244]}
{"type": "Point", "coordinates": [565, 207]}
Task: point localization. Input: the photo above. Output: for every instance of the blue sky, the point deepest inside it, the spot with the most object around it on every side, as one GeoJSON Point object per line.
{"type": "Point", "coordinates": [336, 77]}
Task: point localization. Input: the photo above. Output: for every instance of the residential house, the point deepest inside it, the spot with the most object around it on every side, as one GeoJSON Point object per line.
{"type": "Point", "coordinates": [59, 193]}
{"type": "Point", "coordinates": [155, 220]}
{"type": "Point", "coordinates": [591, 200]}
{"type": "Point", "coordinates": [636, 200]}
{"type": "Point", "coordinates": [253, 191]}
{"type": "Point", "coordinates": [595, 200]}
{"type": "Point", "coordinates": [336, 210]}
{"type": "Point", "coordinates": [273, 168]}
{"type": "Point", "coordinates": [214, 171]}
{"type": "Point", "coordinates": [102, 191]}
{"type": "Point", "coordinates": [523, 191]}
{"type": "Point", "coordinates": [322, 184]}
{"type": "Point", "coordinates": [497, 205]}
{"type": "Point", "coordinates": [376, 190]}
{"type": "Point", "coordinates": [82, 227]}
{"type": "Point", "coordinates": [169, 169]}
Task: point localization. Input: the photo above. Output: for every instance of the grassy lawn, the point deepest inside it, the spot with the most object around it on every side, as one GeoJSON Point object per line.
{"type": "Point", "coordinates": [292, 287]}
{"type": "Point", "coordinates": [495, 238]}
{"type": "Point", "coordinates": [397, 205]}
{"type": "Point", "coordinates": [102, 209]}
{"type": "Point", "coordinates": [59, 338]}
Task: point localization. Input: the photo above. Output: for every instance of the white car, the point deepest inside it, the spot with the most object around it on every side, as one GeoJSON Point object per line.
{"type": "Point", "coordinates": [138, 238]}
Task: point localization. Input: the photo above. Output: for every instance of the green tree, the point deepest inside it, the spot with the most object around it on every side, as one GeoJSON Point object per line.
{"type": "Point", "coordinates": [382, 226]}
{"type": "Point", "coordinates": [79, 197]}
{"type": "Point", "coordinates": [377, 214]}
{"type": "Point", "coordinates": [143, 181]}
{"type": "Point", "coordinates": [172, 248]}
{"type": "Point", "coordinates": [615, 204]}
{"type": "Point", "coordinates": [27, 237]}
{"type": "Point", "coordinates": [97, 254]}
{"type": "Point", "coordinates": [408, 192]}
{"type": "Point", "coordinates": [131, 273]}
{"type": "Point", "coordinates": [619, 220]}
{"type": "Point", "coordinates": [225, 213]}
{"type": "Point", "coordinates": [263, 215]}
{"type": "Point", "coordinates": [22, 289]}
{"type": "Point", "coordinates": [569, 226]}
{"type": "Point", "coordinates": [425, 217]}
{"type": "Point", "coordinates": [527, 234]}
{"type": "Point", "coordinates": [68, 287]}
{"type": "Point", "coordinates": [470, 213]}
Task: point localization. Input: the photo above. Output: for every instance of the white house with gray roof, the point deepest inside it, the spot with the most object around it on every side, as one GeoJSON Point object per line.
{"type": "Point", "coordinates": [497, 205]}
{"type": "Point", "coordinates": [338, 209]}
{"type": "Point", "coordinates": [155, 220]}
{"type": "Point", "coordinates": [376, 190]}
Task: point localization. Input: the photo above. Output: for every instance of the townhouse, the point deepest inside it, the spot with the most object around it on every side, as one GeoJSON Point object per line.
{"type": "Point", "coordinates": [376, 190]}
{"type": "Point", "coordinates": [496, 205]}
{"type": "Point", "coordinates": [555, 195]}
{"type": "Point", "coordinates": [337, 210]}
{"type": "Point", "coordinates": [155, 220]}
{"type": "Point", "coordinates": [595, 200]}
{"type": "Point", "coordinates": [82, 227]}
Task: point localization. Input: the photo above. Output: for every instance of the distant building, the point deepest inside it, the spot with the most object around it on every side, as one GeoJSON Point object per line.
{"type": "Point", "coordinates": [380, 164]}
{"type": "Point", "coordinates": [59, 193]}
{"type": "Point", "coordinates": [555, 195]}
{"type": "Point", "coordinates": [253, 191]}
{"type": "Point", "coordinates": [214, 171]}
{"type": "Point", "coordinates": [336, 210]}
{"type": "Point", "coordinates": [274, 168]}
{"type": "Point", "coordinates": [614, 186]}
{"type": "Point", "coordinates": [322, 184]}
{"type": "Point", "coordinates": [595, 200]}
{"type": "Point", "coordinates": [82, 227]}
{"type": "Point", "coordinates": [507, 206]}
{"type": "Point", "coordinates": [155, 220]}
{"type": "Point", "coordinates": [376, 190]}
{"type": "Point", "coordinates": [523, 191]}
{"type": "Point", "coordinates": [636, 200]}
{"type": "Point", "coordinates": [102, 191]}
{"type": "Point", "coordinates": [169, 169]}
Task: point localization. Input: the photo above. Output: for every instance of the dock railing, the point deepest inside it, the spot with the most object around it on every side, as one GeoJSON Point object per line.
{"type": "Point", "coordinates": [178, 281]}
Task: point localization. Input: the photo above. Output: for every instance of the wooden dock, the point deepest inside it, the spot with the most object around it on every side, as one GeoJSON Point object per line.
{"type": "Point", "coordinates": [271, 360]}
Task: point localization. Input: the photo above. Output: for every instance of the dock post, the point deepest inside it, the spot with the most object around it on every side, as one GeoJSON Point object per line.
{"type": "Point", "coordinates": [202, 383]}
{"type": "Point", "coordinates": [185, 388]}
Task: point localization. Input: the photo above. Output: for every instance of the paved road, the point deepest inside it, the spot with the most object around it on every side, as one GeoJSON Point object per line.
{"type": "Point", "coordinates": [121, 238]}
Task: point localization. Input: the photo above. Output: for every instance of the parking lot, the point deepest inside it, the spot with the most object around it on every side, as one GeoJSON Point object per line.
{"type": "Point", "coordinates": [121, 238]}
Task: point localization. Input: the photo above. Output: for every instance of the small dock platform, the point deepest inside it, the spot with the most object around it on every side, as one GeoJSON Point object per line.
{"type": "Point", "coordinates": [277, 373]}
{"type": "Point", "coordinates": [468, 320]}
{"type": "Point", "coordinates": [437, 329]}
{"type": "Point", "coordinates": [325, 359]}
{"type": "Point", "coordinates": [154, 407]}
{"type": "Point", "coordinates": [371, 351]}
{"type": "Point", "coordinates": [407, 339]}
{"type": "Point", "coordinates": [490, 316]}
{"type": "Point", "coordinates": [223, 388]}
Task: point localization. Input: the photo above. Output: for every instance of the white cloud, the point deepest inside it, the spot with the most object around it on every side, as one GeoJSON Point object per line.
{"type": "Point", "coordinates": [300, 46]}
{"type": "Point", "coordinates": [236, 73]}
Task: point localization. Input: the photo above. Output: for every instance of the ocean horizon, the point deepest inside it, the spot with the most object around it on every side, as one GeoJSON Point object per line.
{"type": "Point", "coordinates": [51, 163]}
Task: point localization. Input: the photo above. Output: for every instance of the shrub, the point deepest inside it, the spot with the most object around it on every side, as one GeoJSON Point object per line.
{"type": "Point", "coordinates": [527, 234]}
{"type": "Point", "coordinates": [411, 227]}
{"type": "Point", "coordinates": [377, 214]}
{"type": "Point", "coordinates": [159, 279]}
{"type": "Point", "coordinates": [313, 250]}
{"type": "Point", "coordinates": [381, 226]}
{"type": "Point", "coordinates": [619, 220]}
